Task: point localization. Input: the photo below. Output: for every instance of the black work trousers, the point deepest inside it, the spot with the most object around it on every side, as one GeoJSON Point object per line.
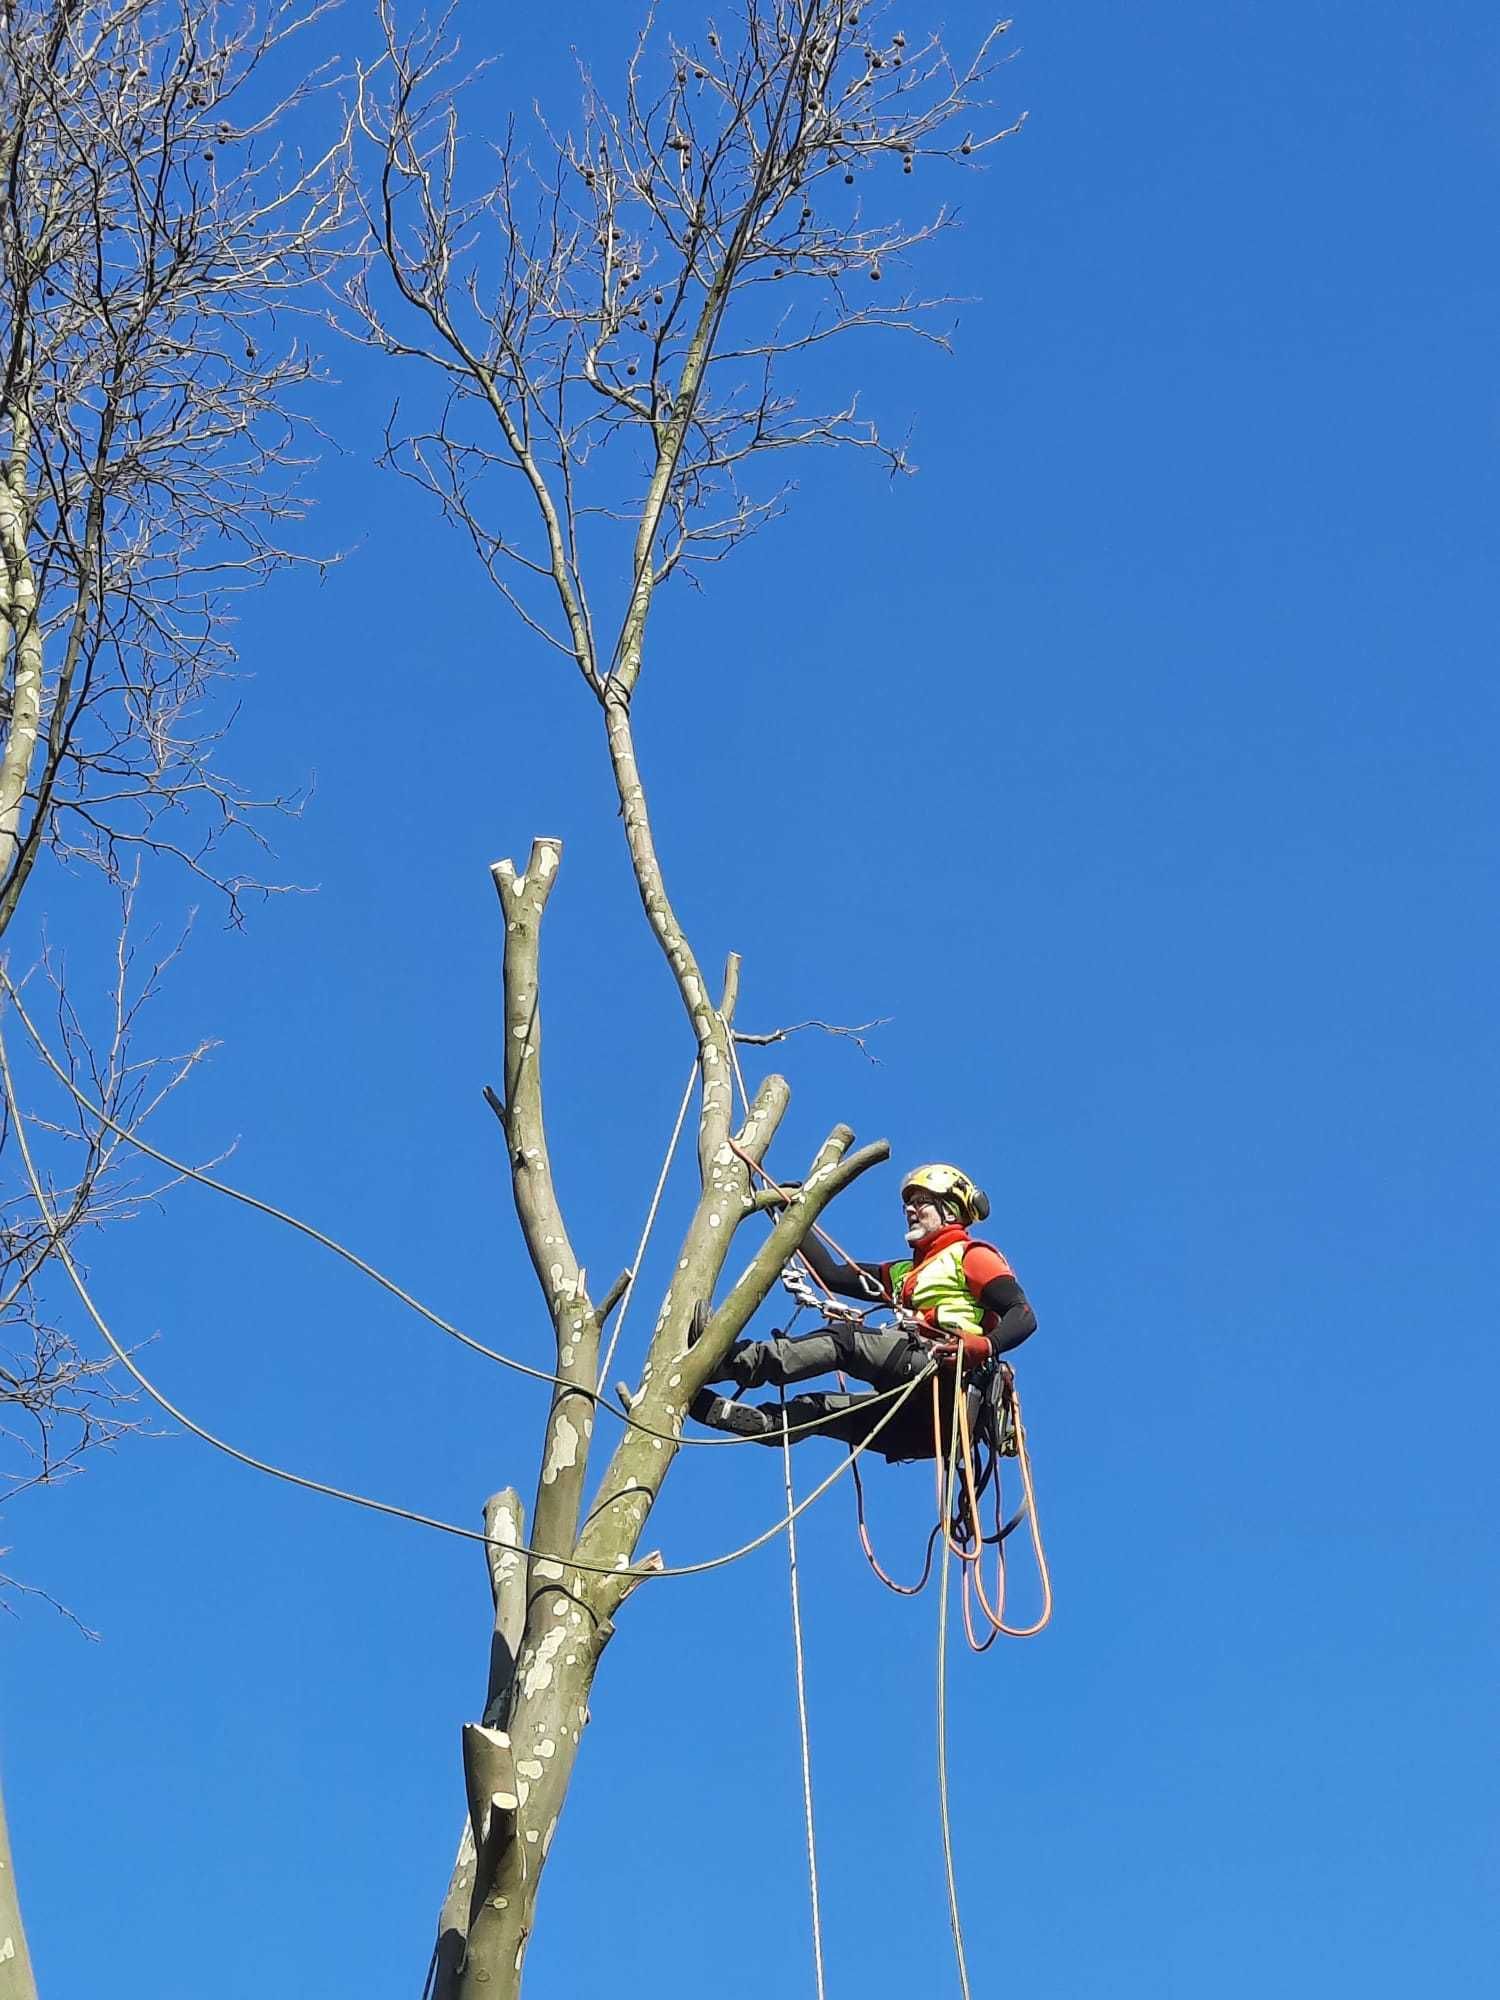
{"type": "Point", "coordinates": [885, 1357]}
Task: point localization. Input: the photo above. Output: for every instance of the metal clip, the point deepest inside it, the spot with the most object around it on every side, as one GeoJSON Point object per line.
{"type": "Point", "coordinates": [795, 1281]}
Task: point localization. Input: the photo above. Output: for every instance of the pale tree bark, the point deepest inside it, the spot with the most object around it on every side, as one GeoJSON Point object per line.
{"type": "Point", "coordinates": [17, 1981]}
{"type": "Point", "coordinates": [655, 275]}
{"type": "Point", "coordinates": [489, 1764]}
{"type": "Point", "coordinates": [556, 1607]}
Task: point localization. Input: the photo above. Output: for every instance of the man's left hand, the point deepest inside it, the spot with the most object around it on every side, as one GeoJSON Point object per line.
{"type": "Point", "coordinates": [974, 1346]}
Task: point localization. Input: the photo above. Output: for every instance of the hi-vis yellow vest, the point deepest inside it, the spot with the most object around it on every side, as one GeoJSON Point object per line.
{"type": "Point", "coordinates": [940, 1289]}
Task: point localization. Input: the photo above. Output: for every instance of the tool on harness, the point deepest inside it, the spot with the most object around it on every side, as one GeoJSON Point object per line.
{"type": "Point", "coordinates": [836, 1311]}
{"type": "Point", "coordinates": [992, 1436]}
{"type": "Point", "coordinates": [794, 1279]}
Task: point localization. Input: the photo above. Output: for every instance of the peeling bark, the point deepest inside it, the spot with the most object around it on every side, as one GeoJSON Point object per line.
{"type": "Point", "coordinates": [505, 1525]}
{"type": "Point", "coordinates": [564, 1639]}
{"type": "Point", "coordinates": [17, 1981]}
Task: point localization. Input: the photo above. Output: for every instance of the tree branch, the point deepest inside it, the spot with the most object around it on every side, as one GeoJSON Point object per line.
{"type": "Point", "coordinates": [570, 1421]}
{"type": "Point", "coordinates": [856, 1035]}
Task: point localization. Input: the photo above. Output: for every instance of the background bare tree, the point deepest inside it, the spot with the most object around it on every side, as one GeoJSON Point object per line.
{"type": "Point", "coordinates": [155, 237]}
{"type": "Point", "coordinates": [158, 235]}
{"type": "Point", "coordinates": [614, 322]}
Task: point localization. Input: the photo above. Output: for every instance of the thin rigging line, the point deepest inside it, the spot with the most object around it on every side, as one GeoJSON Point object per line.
{"type": "Point", "coordinates": [265, 1208]}
{"type": "Point", "coordinates": [341, 1250]}
{"type": "Point", "coordinates": [387, 1507]}
{"type": "Point", "coordinates": [954, 1921]}
{"type": "Point", "coordinates": [807, 1792]}
{"type": "Point", "coordinates": [640, 1248]}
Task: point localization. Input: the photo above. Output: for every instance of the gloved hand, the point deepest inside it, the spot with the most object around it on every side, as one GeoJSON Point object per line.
{"type": "Point", "coordinates": [975, 1348]}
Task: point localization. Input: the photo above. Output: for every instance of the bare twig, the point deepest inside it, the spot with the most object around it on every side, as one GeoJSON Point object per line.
{"type": "Point", "coordinates": [58, 1402]}
{"type": "Point", "coordinates": [12, 1586]}
{"type": "Point", "coordinates": [856, 1035]}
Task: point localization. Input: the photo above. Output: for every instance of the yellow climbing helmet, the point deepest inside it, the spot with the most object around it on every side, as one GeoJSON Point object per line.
{"type": "Point", "coordinates": [952, 1185]}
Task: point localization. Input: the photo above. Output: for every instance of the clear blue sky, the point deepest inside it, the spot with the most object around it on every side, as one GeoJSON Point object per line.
{"type": "Point", "coordinates": [1158, 717]}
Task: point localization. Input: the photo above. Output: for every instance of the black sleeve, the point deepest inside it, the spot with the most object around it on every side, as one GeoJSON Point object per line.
{"type": "Point", "coordinates": [1017, 1322]}
{"type": "Point", "coordinates": [853, 1281]}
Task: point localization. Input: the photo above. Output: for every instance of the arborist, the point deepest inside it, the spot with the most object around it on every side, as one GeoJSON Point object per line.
{"type": "Point", "coordinates": [952, 1295]}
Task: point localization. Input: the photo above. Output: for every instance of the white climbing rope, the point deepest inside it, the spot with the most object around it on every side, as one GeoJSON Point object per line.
{"type": "Point", "coordinates": [650, 1224]}
{"type": "Point", "coordinates": [955, 1922]}
{"type": "Point", "coordinates": [807, 1792]}
{"type": "Point", "coordinates": [808, 1819]}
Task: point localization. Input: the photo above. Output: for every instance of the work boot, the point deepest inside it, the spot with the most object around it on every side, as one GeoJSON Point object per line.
{"type": "Point", "coordinates": [746, 1420]}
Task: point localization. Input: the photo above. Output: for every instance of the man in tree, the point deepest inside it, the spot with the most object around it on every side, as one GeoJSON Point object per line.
{"type": "Point", "coordinates": [952, 1296]}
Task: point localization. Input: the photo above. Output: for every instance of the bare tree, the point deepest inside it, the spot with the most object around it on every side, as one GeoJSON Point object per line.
{"type": "Point", "coordinates": [159, 235]}
{"type": "Point", "coordinates": [155, 237]}
{"type": "Point", "coordinates": [613, 322]}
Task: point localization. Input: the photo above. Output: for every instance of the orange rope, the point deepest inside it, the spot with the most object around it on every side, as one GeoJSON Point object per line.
{"type": "Point", "coordinates": [865, 1542]}
{"type": "Point", "coordinates": [972, 1557]}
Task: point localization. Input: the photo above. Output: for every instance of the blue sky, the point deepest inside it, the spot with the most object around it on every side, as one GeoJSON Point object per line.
{"type": "Point", "coordinates": [1137, 759]}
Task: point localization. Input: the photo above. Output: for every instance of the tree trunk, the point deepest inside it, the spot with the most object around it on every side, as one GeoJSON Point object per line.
{"type": "Point", "coordinates": [519, 1760]}
{"type": "Point", "coordinates": [565, 1636]}
{"type": "Point", "coordinates": [17, 1982]}
{"type": "Point", "coordinates": [555, 1606]}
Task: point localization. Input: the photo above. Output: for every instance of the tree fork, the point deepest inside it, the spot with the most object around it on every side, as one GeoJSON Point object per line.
{"type": "Point", "coordinates": [673, 1372]}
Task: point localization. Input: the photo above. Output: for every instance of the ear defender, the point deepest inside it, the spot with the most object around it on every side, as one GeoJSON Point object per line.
{"type": "Point", "coordinates": [950, 1184]}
